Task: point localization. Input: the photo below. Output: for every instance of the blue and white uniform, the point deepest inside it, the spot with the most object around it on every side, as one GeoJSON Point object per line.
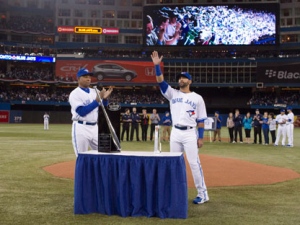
{"type": "Point", "coordinates": [290, 128]}
{"type": "Point", "coordinates": [187, 109]}
{"type": "Point", "coordinates": [46, 121]}
{"type": "Point", "coordinates": [281, 131]}
{"type": "Point", "coordinates": [84, 109]}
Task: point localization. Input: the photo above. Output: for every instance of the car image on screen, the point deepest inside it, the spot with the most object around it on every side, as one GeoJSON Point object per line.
{"type": "Point", "coordinates": [113, 71]}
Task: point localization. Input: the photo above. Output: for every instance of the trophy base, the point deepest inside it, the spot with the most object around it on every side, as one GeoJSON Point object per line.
{"type": "Point", "coordinates": [106, 144]}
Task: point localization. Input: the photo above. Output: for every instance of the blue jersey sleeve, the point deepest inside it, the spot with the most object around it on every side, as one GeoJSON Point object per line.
{"type": "Point", "coordinates": [163, 86]}
{"type": "Point", "coordinates": [84, 110]}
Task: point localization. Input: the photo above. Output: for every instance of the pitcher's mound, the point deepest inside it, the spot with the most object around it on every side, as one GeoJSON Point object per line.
{"type": "Point", "coordinates": [217, 172]}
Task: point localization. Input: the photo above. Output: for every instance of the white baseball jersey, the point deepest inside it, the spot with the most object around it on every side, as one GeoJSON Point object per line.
{"type": "Point", "coordinates": [281, 131]}
{"type": "Point", "coordinates": [290, 129]}
{"type": "Point", "coordinates": [83, 135]}
{"type": "Point", "coordinates": [77, 98]}
{"type": "Point", "coordinates": [46, 121]}
{"type": "Point", "coordinates": [186, 108]}
{"type": "Point", "coordinates": [290, 116]}
{"type": "Point", "coordinates": [280, 118]}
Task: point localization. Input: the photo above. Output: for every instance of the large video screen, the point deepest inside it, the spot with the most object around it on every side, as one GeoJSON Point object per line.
{"type": "Point", "coordinates": [204, 25]}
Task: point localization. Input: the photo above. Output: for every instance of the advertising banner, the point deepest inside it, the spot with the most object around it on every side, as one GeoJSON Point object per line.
{"type": "Point", "coordinates": [278, 73]}
{"type": "Point", "coordinates": [108, 70]}
{"type": "Point", "coordinates": [88, 30]}
{"type": "Point", "coordinates": [4, 116]}
{"type": "Point", "coordinates": [15, 116]}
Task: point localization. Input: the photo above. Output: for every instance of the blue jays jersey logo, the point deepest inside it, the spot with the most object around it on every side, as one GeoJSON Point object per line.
{"type": "Point", "coordinates": [191, 112]}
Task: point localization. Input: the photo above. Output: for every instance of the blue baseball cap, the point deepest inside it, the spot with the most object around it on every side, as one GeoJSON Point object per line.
{"type": "Point", "coordinates": [282, 110]}
{"type": "Point", "coordinates": [217, 112]}
{"type": "Point", "coordinates": [83, 72]}
{"type": "Point", "coordinates": [184, 74]}
{"type": "Point", "coordinates": [289, 108]}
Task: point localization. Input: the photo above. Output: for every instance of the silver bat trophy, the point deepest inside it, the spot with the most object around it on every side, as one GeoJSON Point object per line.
{"type": "Point", "coordinates": [111, 128]}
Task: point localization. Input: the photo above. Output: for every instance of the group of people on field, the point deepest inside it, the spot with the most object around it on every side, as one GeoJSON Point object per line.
{"type": "Point", "coordinates": [132, 121]}
{"type": "Point", "coordinates": [262, 125]}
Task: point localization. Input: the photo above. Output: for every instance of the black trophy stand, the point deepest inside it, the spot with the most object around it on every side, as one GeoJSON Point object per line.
{"type": "Point", "coordinates": [105, 138]}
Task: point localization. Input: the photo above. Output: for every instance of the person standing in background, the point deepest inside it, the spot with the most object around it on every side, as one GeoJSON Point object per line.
{"type": "Point", "coordinates": [135, 120]}
{"type": "Point", "coordinates": [290, 127]}
{"type": "Point", "coordinates": [217, 132]}
{"type": "Point", "coordinates": [230, 126]}
{"type": "Point", "coordinates": [265, 127]}
{"type": "Point", "coordinates": [247, 121]}
{"type": "Point", "coordinates": [154, 117]}
{"type": "Point", "coordinates": [126, 119]}
{"type": "Point", "coordinates": [272, 127]}
{"type": "Point", "coordinates": [144, 124]}
{"type": "Point", "coordinates": [281, 131]}
{"type": "Point", "coordinates": [167, 122]}
{"type": "Point", "coordinates": [46, 121]}
{"type": "Point", "coordinates": [238, 124]}
{"type": "Point", "coordinates": [257, 126]}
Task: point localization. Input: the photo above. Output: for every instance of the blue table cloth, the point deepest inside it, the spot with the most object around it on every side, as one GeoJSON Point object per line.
{"type": "Point", "coordinates": [131, 184]}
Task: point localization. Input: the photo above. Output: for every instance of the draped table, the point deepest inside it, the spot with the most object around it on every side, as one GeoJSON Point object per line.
{"type": "Point", "coordinates": [131, 183]}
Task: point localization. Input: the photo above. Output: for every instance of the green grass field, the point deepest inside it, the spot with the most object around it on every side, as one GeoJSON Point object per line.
{"type": "Point", "coordinates": [29, 195]}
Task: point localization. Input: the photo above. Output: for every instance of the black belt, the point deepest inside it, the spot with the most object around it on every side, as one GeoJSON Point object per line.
{"type": "Point", "coordinates": [86, 123]}
{"type": "Point", "coordinates": [183, 128]}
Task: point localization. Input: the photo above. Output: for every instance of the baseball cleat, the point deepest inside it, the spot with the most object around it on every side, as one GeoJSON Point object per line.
{"type": "Point", "coordinates": [199, 200]}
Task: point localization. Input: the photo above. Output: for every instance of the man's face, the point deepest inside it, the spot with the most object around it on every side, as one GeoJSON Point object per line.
{"type": "Point", "coordinates": [184, 82]}
{"type": "Point", "coordinates": [154, 111]}
{"type": "Point", "coordinates": [257, 112]}
{"type": "Point", "coordinates": [84, 81]}
{"type": "Point", "coordinates": [173, 19]}
{"type": "Point", "coordinates": [149, 27]}
{"type": "Point", "coordinates": [134, 110]}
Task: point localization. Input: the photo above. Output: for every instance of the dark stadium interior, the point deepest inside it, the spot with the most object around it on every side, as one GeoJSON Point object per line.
{"type": "Point", "coordinates": [228, 77]}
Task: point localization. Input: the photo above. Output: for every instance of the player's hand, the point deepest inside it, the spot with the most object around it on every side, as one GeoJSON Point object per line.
{"type": "Point", "coordinates": [155, 58]}
{"type": "Point", "coordinates": [200, 142]}
{"type": "Point", "coordinates": [106, 93]}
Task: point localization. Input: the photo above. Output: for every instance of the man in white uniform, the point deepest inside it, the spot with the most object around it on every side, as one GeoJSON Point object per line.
{"type": "Point", "coordinates": [188, 111]}
{"type": "Point", "coordinates": [46, 121]}
{"type": "Point", "coordinates": [84, 103]}
{"type": "Point", "coordinates": [281, 131]}
{"type": "Point", "coordinates": [290, 127]}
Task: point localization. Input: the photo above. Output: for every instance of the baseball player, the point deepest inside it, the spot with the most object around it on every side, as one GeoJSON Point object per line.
{"type": "Point", "coordinates": [281, 131]}
{"type": "Point", "coordinates": [290, 127]}
{"type": "Point", "coordinates": [84, 103]}
{"type": "Point", "coordinates": [188, 111]}
{"type": "Point", "coordinates": [46, 121]}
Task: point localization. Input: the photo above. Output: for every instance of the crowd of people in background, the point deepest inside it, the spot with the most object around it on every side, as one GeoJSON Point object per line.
{"type": "Point", "coordinates": [118, 96]}
{"type": "Point", "coordinates": [62, 95]}
{"type": "Point", "coordinates": [33, 94]}
{"type": "Point", "coordinates": [35, 24]}
{"type": "Point", "coordinates": [267, 99]}
{"type": "Point", "coordinates": [29, 73]}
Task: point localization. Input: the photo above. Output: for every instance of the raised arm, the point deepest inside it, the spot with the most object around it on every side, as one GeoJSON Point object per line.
{"type": "Point", "coordinates": [156, 61]}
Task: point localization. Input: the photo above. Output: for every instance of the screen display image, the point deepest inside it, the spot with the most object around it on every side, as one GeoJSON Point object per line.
{"type": "Point", "coordinates": [242, 24]}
